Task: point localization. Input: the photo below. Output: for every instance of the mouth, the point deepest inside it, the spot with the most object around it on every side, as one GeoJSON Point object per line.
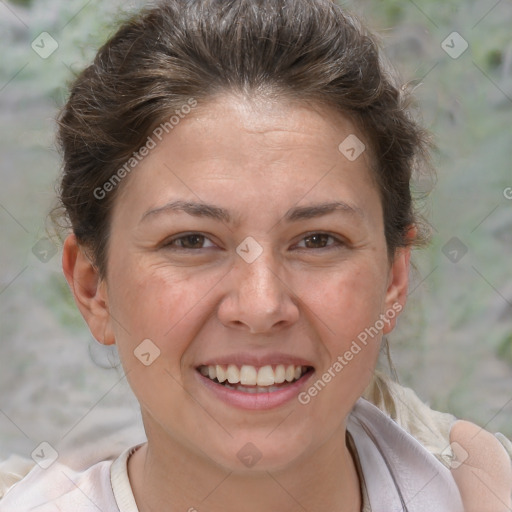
{"type": "Point", "coordinates": [252, 379]}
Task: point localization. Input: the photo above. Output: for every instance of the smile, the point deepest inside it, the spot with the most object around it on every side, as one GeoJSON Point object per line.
{"type": "Point", "coordinates": [252, 379]}
{"type": "Point", "coordinates": [250, 387]}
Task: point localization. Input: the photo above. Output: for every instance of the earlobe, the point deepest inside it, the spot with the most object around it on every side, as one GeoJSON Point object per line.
{"type": "Point", "coordinates": [88, 290]}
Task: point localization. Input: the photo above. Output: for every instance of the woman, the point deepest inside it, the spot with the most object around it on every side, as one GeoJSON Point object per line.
{"type": "Point", "coordinates": [237, 180]}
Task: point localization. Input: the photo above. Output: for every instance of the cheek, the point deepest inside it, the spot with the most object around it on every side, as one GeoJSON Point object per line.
{"type": "Point", "coordinates": [350, 300]}
{"type": "Point", "coordinates": [349, 304]}
{"type": "Point", "coordinates": [156, 318]}
{"type": "Point", "coordinates": [159, 304]}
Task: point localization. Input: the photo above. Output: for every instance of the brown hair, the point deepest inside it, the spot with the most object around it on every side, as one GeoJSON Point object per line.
{"type": "Point", "coordinates": [160, 58]}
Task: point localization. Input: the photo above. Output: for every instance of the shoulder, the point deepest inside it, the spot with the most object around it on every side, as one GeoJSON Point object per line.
{"type": "Point", "coordinates": [482, 468]}
{"type": "Point", "coordinates": [428, 426]}
{"type": "Point", "coordinates": [12, 470]}
{"type": "Point", "coordinates": [59, 487]}
{"type": "Point", "coordinates": [480, 461]}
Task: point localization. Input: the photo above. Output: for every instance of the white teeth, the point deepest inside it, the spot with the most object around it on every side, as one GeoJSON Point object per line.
{"type": "Point", "coordinates": [266, 376]}
{"type": "Point", "coordinates": [280, 374]}
{"type": "Point", "coordinates": [221, 374]}
{"type": "Point", "coordinates": [290, 373]}
{"type": "Point", "coordinates": [233, 374]}
{"type": "Point", "coordinates": [249, 375]}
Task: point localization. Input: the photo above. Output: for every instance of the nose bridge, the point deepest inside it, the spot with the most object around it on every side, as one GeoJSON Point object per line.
{"type": "Point", "coordinates": [260, 280]}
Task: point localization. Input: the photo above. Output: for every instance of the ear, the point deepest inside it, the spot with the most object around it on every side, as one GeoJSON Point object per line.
{"type": "Point", "coordinates": [398, 282]}
{"type": "Point", "coordinates": [89, 292]}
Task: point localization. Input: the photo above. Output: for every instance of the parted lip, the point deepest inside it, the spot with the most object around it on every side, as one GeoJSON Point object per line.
{"type": "Point", "coordinates": [245, 358]}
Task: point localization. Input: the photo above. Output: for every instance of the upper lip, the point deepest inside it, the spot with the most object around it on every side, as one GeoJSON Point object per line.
{"type": "Point", "coordinates": [258, 361]}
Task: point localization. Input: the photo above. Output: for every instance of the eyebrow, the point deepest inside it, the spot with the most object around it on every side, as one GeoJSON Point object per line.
{"type": "Point", "coordinates": [220, 214]}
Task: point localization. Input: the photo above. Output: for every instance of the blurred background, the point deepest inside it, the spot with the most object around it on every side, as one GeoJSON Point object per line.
{"type": "Point", "coordinates": [453, 345]}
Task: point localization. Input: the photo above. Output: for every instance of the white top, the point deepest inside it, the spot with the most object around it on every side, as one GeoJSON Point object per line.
{"type": "Point", "coordinates": [103, 486]}
{"type": "Point", "coordinates": [121, 487]}
{"type": "Point", "coordinates": [394, 469]}
{"type": "Point", "coordinates": [397, 470]}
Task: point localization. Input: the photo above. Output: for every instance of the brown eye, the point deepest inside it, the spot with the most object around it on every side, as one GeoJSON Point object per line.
{"type": "Point", "coordinates": [191, 241]}
{"type": "Point", "coordinates": [319, 241]}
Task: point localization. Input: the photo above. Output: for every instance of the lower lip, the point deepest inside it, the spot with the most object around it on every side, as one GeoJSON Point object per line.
{"type": "Point", "coordinates": [256, 401]}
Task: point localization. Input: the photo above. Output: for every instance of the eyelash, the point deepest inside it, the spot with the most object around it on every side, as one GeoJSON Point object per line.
{"type": "Point", "coordinates": [337, 245]}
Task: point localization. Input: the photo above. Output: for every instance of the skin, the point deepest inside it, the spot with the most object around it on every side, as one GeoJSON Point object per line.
{"type": "Point", "coordinates": [300, 296]}
{"type": "Point", "coordinates": [485, 476]}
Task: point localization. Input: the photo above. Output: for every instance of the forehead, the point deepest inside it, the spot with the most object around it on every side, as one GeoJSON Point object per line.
{"type": "Point", "coordinates": [260, 147]}
{"type": "Point", "coordinates": [270, 124]}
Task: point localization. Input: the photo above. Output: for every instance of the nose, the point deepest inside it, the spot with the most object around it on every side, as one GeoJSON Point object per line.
{"type": "Point", "coordinates": [259, 299]}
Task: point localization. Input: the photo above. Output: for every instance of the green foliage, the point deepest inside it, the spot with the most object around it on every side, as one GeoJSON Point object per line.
{"type": "Point", "coordinates": [79, 31]}
{"type": "Point", "coordinates": [505, 349]}
{"type": "Point", "coordinates": [23, 3]}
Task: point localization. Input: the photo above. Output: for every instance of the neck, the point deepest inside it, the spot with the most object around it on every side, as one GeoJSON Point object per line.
{"type": "Point", "coordinates": [177, 478]}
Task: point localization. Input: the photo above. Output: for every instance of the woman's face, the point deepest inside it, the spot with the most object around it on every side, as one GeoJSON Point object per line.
{"type": "Point", "coordinates": [266, 275]}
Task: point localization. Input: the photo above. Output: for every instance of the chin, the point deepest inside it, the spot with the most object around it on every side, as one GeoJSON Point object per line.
{"type": "Point", "coordinates": [259, 456]}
